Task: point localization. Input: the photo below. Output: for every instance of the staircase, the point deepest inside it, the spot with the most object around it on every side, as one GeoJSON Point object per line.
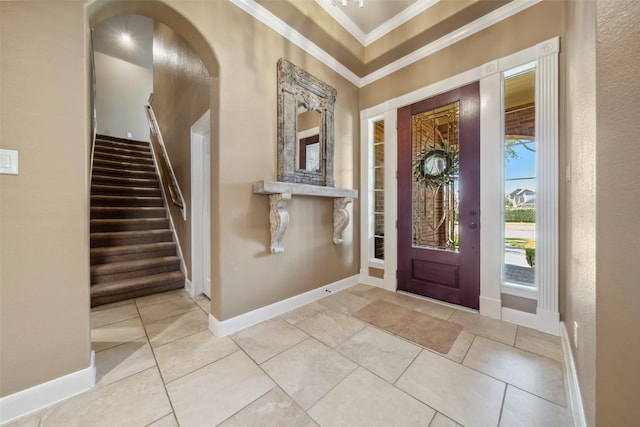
{"type": "Point", "coordinates": [132, 248]}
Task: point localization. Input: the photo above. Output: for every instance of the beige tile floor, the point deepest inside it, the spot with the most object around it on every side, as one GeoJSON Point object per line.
{"type": "Point", "coordinates": [159, 365]}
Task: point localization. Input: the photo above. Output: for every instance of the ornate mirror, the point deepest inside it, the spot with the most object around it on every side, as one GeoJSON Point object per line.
{"type": "Point", "coordinates": [305, 127]}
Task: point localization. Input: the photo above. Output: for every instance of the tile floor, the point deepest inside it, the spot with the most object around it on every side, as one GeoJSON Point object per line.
{"type": "Point", "coordinates": [158, 365]}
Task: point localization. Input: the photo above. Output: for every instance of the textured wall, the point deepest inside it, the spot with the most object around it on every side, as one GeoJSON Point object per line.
{"type": "Point", "coordinates": [578, 201]}
{"type": "Point", "coordinates": [122, 91]}
{"type": "Point", "coordinates": [617, 207]}
{"type": "Point", "coordinates": [181, 95]}
{"type": "Point", "coordinates": [44, 211]}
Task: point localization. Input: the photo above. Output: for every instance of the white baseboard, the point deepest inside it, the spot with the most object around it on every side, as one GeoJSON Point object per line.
{"type": "Point", "coordinates": [372, 281]}
{"type": "Point", "coordinates": [188, 285]}
{"type": "Point", "coordinates": [45, 394]}
{"type": "Point", "coordinates": [519, 317]}
{"type": "Point", "coordinates": [238, 323]}
{"type": "Point", "coordinates": [490, 307]}
{"type": "Point", "coordinates": [548, 321]}
{"type": "Point", "coordinates": [575, 396]}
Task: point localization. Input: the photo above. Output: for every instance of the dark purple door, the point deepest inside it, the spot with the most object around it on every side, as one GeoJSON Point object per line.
{"type": "Point", "coordinates": [439, 197]}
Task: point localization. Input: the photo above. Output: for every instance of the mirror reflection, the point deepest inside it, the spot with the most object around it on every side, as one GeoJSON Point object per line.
{"type": "Point", "coordinates": [308, 146]}
{"type": "Point", "coordinates": [305, 127]}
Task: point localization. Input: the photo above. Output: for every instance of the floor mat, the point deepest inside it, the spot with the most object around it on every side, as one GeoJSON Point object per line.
{"type": "Point", "coordinates": [428, 331]}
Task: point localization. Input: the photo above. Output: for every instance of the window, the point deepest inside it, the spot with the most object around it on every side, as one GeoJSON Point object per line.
{"type": "Point", "coordinates": [377, 190]}
{"type": "Point", "coordinates": [520, 180]}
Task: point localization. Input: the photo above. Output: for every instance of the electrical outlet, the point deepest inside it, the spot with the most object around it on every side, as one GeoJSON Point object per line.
{"type": "Point", "coordinates": [129, 134]}
{"type": "Point", "coordinates": [576, 327]}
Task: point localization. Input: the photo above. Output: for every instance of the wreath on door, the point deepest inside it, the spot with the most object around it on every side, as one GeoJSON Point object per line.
{"type": "Point", "coordinates": [437, 165]}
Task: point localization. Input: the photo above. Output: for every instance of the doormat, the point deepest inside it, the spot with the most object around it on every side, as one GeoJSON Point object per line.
{"type": "Point", "coordinates": [428, 331]}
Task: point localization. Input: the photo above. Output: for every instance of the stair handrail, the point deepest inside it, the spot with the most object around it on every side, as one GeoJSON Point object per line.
{"type": "Point", "coordinates": [94, 119]}
{"type": "Point", "coordinates": [162, 159]}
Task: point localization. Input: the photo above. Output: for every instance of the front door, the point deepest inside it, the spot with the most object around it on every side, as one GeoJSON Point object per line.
{"type": "Point", "coordinates": [439, 197]}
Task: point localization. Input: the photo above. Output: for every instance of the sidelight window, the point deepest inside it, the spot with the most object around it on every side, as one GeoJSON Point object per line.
{"type": "Point", "coordinates": [520, 176]}
{"type": "Point", "coordinates": [377, 190]}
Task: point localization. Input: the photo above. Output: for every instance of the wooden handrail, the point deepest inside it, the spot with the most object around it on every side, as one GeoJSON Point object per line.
{"type": "Point", "coordinates": [94, 120]}
{"type": "Point", "coordinates": [162, 159]}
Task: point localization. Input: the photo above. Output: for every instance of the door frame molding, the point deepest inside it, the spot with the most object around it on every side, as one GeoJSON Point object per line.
{"type": "Point", "coordinates": [200, 138]}
{"type": "Point", "coordinates": [489, 74]}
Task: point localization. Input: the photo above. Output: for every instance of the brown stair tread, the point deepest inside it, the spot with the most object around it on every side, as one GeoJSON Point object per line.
{"type": "Point", "coordinates": [129, 233]}
{"type": "Point", "coordinates": [116, 221]}
{"type": "Point", "coordinates": [125, 201]}
{"type": "Point", "coordinates": [109, 254]}
{"type": "Point", "coordinates": [144, 247]}
{"type": "Point", "coordinates": [127, 224]}
{"type": "Point", "coordinates": [114, 164]}
{"type": "Point", "coordinates": [120, 180]}
{"type": "Point", "coordinates": [119, 172]}
{"type": "Point", "coordinates": [125, 151]}
{"type": "Point", "coordinates": [114, 212]}
{"type": "Point", "coordinates": [139, 264]}
{"type": "Point", "coordinates": [120, 157]}
{"type": "Point", "coordinates": [122, 238]}
{"type": "Point", "coordinates": [122, 270]}
{"type": "Point", "coordinates": [124, 188]}
{"type": "Point", "coordinates": [133, 144]}
{"type": "Point", "coordinates": [137, 283]}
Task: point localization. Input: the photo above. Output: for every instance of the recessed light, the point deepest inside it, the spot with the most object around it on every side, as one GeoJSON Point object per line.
{"type": "Point", "coordinates": [125, 38]}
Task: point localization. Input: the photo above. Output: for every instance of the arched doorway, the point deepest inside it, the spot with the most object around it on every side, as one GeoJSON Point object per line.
{"type": "Point", "coordinates": [174, 22]}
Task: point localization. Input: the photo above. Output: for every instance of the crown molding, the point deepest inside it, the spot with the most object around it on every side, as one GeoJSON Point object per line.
{"type": "Point", "coordinates": [383, 29]}
{"type": "Point", "coordinates": [411, 12]}
{"type": "Point", "coordinates": [338, 14]}
{"type": "Point", "coordinates": [282, 28]}
{"type": "Point", "coordinates": [461, 33]}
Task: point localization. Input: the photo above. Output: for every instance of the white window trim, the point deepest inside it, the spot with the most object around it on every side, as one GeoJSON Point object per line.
{"type": "Point", "coordinates": [489, 75]}
{"type": "Point", "coordinates": [367, 259]}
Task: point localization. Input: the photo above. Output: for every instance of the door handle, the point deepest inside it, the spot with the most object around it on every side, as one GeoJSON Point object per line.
{"type": "Point", "coordinates": [473, 226]}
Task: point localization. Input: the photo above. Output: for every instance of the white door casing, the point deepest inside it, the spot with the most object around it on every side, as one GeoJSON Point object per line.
{"type": "Point", "coordinates": [201, 206]}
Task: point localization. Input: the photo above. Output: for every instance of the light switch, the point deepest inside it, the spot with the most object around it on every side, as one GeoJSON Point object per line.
{"type": "Point", "coordinates": [9, 162]}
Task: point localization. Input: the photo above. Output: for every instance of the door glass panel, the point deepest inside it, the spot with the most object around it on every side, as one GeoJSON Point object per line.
{"type": "Point", "coordinates": [435, 188]}
{"type": "Point", "coordinates": [520, 176]}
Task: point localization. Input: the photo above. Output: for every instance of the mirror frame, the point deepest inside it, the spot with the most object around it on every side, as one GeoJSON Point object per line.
{"type": "Point", "coordinates": [297, 88]}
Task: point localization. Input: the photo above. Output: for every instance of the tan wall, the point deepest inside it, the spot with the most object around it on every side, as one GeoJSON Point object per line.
{"type": "Point", "coordinates": [578, 201]}
{"type": "Point", "coordinates": [44, 211]}
{"type": "Point", "coordinates": [181, 95]}
{"type": "Point", "coordinates": [617, 206]}
{"type": "Point", "coordinates": [518, 32]}
{"type": "Point", "coordinates": [250, 277]}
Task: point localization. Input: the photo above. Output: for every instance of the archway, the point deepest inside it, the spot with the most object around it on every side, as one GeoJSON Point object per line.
{"type": "Point", "coordinates": [100, 11]}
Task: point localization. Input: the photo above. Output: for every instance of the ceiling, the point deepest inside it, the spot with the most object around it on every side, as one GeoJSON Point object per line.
{"type": "Point", "coordinates": [363, 40]}
{"type": "Point", "coordinates": [107, 39]}
{"type": "Point", "coordinates": [375, 18]}
{"type": "Point", "coordinates": [370, 22]}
